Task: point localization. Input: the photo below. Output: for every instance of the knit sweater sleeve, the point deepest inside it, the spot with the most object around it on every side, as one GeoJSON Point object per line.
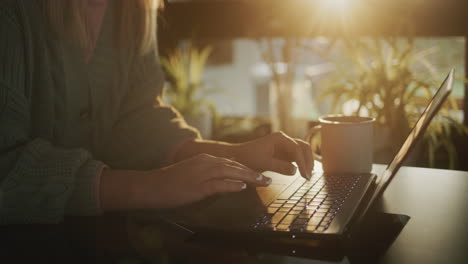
{"type": "Point", "coordinates": [148, 131]}
{"type": "Point", "coordinates": [39, 182]}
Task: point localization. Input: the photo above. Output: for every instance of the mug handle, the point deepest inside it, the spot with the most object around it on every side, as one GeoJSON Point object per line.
{"type": "Point", "coordinates": [310, 135]}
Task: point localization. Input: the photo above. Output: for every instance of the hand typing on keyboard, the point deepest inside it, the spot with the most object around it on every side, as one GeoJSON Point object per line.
{"type": "Point", "coordinates": [275, 152]}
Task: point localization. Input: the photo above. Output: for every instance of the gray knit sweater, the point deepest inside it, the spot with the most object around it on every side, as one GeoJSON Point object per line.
{"type": "Point", "coordinates": [61, 119]}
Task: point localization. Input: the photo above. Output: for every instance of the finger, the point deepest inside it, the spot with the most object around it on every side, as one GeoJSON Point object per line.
{"type": "Point", "coordinates": [234, 162]}
{"type": "Point", "coordinates": [230, 161]}
{"type": "Point", "coordinates": [228, 169]}
{"type": "Point", "coordinates": [292, 149]}
{"type": "Point", "coordinates": [222, 186]}
{"type": "Point", "coordinates": [309, 157]}
{"type": "Point", "coordinates": [282, 167]}
{"type": "Point", "coordinates": [233, 172]}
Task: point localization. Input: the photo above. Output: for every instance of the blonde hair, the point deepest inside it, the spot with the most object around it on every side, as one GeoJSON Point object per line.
{"type": "Point", "coordinates": [136, 30]}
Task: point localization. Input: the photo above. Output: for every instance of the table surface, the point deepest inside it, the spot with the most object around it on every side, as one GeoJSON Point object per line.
{"type": "Point", "coordinates": [437, 202]}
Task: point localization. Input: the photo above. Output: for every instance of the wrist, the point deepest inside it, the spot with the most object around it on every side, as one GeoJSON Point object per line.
{"type": "Point", "coordinates": [119, 189]}
{"type": "Point", "coordinates": [234, 151]}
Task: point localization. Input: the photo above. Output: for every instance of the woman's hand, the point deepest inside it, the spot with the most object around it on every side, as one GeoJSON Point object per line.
{"type": "Point", "coordinates": [182, 183]}
{"type": "Point", "coordinates": [275, 152]}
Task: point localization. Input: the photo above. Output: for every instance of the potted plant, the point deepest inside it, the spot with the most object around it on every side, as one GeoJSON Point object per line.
{"type": "Point", "coordinates": [389, 79]}
{"type": "Point", "coordinates": [184, 67]}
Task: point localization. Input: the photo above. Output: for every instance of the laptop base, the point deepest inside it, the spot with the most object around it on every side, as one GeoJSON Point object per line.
{"type": "Point", "coordinates": [364, 245]}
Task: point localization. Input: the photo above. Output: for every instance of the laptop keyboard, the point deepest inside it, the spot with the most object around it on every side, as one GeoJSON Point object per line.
{"type": "Point", "coordinates": [311, 207]}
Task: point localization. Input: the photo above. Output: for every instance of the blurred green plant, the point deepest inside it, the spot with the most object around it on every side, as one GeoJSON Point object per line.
{"type": "Point", "coordinates": [388, 79]}
{"type": "Point", "coordinates": [184, 67]}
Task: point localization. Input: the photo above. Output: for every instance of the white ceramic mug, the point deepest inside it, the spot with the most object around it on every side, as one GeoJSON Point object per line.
{"type": "Point", "coordinates": [346, 143]}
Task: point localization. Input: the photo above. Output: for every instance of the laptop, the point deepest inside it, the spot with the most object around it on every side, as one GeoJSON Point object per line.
{"type": "Point", "coordinates": [325, 208]}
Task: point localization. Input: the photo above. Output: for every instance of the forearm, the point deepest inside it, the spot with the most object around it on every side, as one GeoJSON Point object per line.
{"type": "Point", "coordinates": [198, 146]}
{"type": "Point", "coordinates": [127, 189]}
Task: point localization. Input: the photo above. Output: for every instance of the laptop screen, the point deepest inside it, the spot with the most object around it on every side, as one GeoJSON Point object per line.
{"type": "Point", "coordinates": [416, 133]}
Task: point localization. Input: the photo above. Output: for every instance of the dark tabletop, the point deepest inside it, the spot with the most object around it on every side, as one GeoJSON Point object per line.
{"type": "Point", "coordinates": [435, 200]}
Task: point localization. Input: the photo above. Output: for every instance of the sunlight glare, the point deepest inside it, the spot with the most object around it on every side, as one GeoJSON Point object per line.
{"type": "Point", "coordinates": [335, 13]}
{"type": "Point", "coordinates": [340, 4]}
{"type": "Point", "coordinates": [334, 5]}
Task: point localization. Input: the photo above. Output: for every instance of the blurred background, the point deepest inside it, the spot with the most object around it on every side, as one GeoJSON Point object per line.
{"type": "Point", "coordinates": [240, 69]}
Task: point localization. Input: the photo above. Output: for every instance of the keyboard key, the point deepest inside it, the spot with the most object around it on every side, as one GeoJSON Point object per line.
{"type": "Point", "coordinates": [284, 210]}
{"type": "Point", "coordinates": [303, 216]}
{"type": "Point", "coordinates": [301, 204]}
{"type": "Point", "coordinates": [288, 205]}
{"type": "Point", "coordinates": [308, 212]}
{"type": "Point", "coordinates": [300, 209]}
{"type": "Point", "coordinates": [287, 220]}
{"type": "Point", "coordinates": [281, 201]}
{"type": "Point", "coordinates": [295, 212]}
{"type": "Point", "coordinates": [282, 228]}
{"type": "Point", "coordinates": [313, 207]}
{"type": "Point", "coordinates": [277, 205]}
{"type": "Point", "coordinates": [315, 221]}
{"type": "Point", "coordinates": [320, 214]}
{"type": "Point", "coordinates": [300, 221]}
{"type": "Point", "coordinates": [277, 217]}
{"type": "Point", "coordinates": [272, 210]}
{"type": "Point", "coordinates": [322, 210]}
{"type": "Point", "coordinates": [291, 202]}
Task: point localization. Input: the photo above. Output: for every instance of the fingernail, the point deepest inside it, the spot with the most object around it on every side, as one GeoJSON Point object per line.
{"type": "Point", "coordinates": [244, 186]}
{"type": "Point", "coordinates": [269, 181]}
{"type": "Point", "coordinates": [259, 178]}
